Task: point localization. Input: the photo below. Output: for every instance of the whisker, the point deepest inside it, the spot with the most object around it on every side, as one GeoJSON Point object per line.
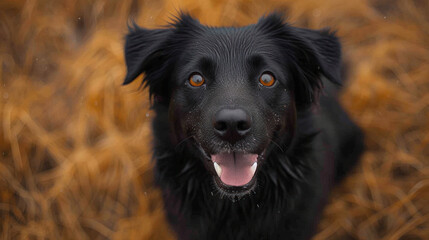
{"type": "Point", "coordinates": [184, 140]}
{"type": "Point", "coordinates": [277, 145]}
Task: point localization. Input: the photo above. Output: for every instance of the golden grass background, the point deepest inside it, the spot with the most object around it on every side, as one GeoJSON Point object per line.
{"type": "Point", "coordinates": [75, 144]}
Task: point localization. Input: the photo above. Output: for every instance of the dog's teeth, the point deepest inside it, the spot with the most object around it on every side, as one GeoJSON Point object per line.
{"type": "Point", "coordinates": [253, 167]}
{"type": "Point", "coordinates": [217, 168]}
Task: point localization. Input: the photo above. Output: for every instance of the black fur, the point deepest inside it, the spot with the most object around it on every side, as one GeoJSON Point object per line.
{"type": "Point", "coordinates": [306, 144]}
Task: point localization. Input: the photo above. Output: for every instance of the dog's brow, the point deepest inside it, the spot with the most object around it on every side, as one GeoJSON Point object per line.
{"type": "Point", "coordinates": [206, 64]}
{"type": "Point", "coordinates": [256, 60]}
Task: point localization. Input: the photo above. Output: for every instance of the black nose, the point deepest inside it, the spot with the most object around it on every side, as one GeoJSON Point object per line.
{"type": "Point", "coordinates": [231, 124]}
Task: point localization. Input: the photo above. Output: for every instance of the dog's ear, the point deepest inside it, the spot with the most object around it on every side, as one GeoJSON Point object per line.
{"type": "Point", "coordinates": [310, 53]}
{"type": "Point", "coordinates": [154, 53]}
{"type": "Point", "coordinates": [145, 52]}
{"type": "Point", "coordinates": [320, 55]}
{"type": "Point", "coordinates": [142, 46]}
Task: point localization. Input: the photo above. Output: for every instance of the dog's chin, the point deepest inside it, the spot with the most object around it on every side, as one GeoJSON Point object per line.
{"type": "Point", "coordinates": [234, 172]}
{"type": "Point", "coordinates": [235, 192]}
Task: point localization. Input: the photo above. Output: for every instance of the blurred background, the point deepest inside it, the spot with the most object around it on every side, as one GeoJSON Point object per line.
{"type": "Point", "coordinates": [75, 144]}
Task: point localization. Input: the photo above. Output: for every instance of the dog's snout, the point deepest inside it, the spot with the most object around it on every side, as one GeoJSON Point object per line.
{"type": "Point", "coordinates": [232, 124]}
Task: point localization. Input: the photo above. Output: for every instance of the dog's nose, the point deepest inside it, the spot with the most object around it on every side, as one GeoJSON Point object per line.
{"type": "Point", "coordinates": [231, 124]}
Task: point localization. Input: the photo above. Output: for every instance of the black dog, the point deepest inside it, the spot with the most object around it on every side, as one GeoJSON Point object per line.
{"type": "Point", "coordinates": [244, 147]}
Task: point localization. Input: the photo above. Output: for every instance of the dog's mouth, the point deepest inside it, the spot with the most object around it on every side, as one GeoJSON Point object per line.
{"type": "Point", "coordinates": [235, 169]}
{"type": "Point", "coordinates": [234, 172]}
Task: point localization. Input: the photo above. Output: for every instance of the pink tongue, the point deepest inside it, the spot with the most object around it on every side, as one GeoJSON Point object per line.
{"type": "Point", "coordinates": [235, 172]}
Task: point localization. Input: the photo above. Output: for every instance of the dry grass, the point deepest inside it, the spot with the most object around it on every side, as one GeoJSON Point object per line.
{"type": "Point", "coordinates": [75, 161]}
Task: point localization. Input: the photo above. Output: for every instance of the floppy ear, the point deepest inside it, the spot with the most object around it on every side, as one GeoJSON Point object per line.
{"type": "Point", "coordinates": [140, 46]}
{"type": "Point", "coordinates": [320, 54]}
{"type": "Point", "coordinates": [145, 51]}
{"type": "Point", "coordinates": [309, 55]}
{"type": "Point", "coordinates": [155, 52]}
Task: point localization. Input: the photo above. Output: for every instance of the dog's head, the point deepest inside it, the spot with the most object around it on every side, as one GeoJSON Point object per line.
{"type": "Point", "coordinates": [233, 92]}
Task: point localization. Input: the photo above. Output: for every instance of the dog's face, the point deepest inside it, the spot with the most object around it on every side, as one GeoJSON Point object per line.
{"type": "Point", "coordinates": [232, 95]}
{"type": "Point", "coordinates": [232, 92]}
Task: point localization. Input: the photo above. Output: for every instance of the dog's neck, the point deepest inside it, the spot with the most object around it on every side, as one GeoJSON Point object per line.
{"type": "Point", "coordinates": [189, 189]}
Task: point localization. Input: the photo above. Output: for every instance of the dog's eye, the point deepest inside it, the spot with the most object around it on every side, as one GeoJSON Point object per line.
{"type": "Point", "coordinates": [196, 80]}
{"type": "Point", "coordinates": [267, 79]}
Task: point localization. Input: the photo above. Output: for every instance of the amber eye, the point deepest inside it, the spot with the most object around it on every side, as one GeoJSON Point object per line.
{"type": "Point", "coordinates": [196, 80]}
{"type": "Point", "coordinates": [267, 79]}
